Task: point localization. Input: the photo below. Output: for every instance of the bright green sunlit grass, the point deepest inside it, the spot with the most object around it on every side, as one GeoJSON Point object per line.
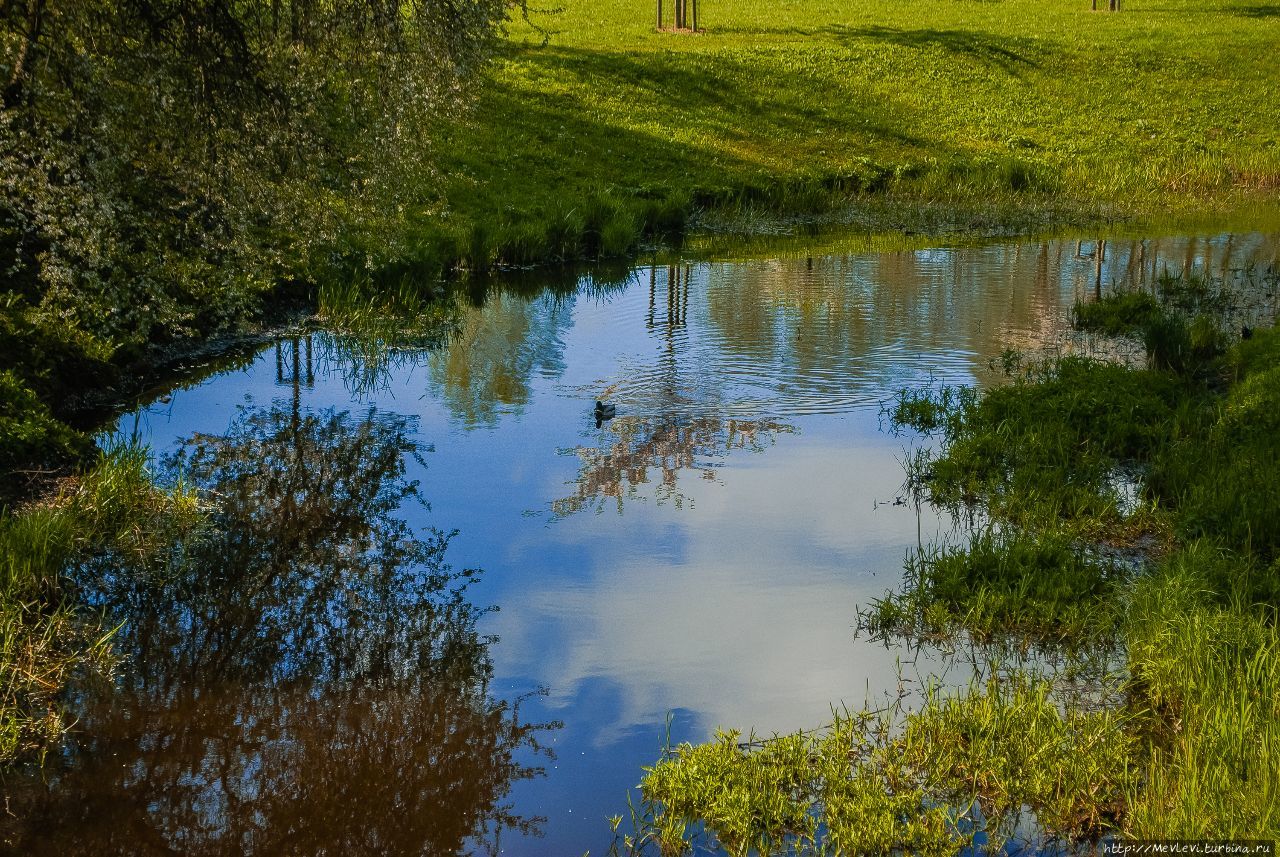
{"type": "Point", "coordinates": [1024, 103]}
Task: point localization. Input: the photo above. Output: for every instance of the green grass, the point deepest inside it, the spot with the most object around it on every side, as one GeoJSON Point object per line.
{"type": "Point", "coordinates": [1223, 483]}
{"type": "Point", "coordinates": [1205, 687]}
{"type": "Point", "coordinates": [1181, 741]}
{"type": "Point", "coordinates": [1055, 446]}
{"type": "Point", "coordinates": [1001, 112]}
{"type": "Point", "coordinates": [882, 782]}
{"type": "Point", "coordinates": [1126, 313]}
{"type": "Point", "coordinates": [45, 637]}
{"type": "Point", "coordinates": [46, 364]}
{"type": "Point", "coordinates": [1036, 588]}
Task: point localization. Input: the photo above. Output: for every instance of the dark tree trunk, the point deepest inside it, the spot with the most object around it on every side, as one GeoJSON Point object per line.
{"type": "Point", "coordinates": [14, 87]}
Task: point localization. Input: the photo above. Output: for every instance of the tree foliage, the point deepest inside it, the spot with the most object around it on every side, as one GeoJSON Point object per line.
{"type": "Point", "coordinates": [162, 162]}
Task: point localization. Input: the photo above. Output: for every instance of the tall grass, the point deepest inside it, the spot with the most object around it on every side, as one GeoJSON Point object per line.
{"type": "Point", "coordinates": [1205, 681]}
{"type": "Point", "coordinates": [1181, 740]}
{"type": "Point", "coordinates": [45, 636]}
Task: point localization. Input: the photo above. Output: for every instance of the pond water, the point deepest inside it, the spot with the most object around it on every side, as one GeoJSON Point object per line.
{"type": "Point", "coordinates": [321, 675]}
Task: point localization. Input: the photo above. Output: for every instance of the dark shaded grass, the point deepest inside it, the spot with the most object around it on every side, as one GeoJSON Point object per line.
{"type": "Point", "coordinates": [1040, 588]}
{"type": "Point", "coordinates": [33, 443]}
{"type": "Point", "coordinates": [1125, 313]}
{"type": "Point", "coordinates": [1179, 324]}
{"type": "Point", "coordinates": [1056, 444]}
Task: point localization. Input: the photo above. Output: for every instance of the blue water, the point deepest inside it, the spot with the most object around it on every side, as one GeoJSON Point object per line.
{"type": "Point", "coordinates": [697, 561]}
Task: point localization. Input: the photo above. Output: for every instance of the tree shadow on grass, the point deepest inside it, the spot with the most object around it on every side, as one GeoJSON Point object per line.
{"type": "Point", "coordinates": [1270, 11]}
{"type": "Point", "coordinates": [717, 127]}
{"type": "Point", "coordinates": [1011, 55]}
{"type": "Point", "coordinates": [695, 87]}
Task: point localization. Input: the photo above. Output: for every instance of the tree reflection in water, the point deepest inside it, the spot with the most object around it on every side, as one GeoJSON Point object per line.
{"type": "Point", "coordinates": [666, 445]}
{"type": "Point", "coordinates": [304, 676]}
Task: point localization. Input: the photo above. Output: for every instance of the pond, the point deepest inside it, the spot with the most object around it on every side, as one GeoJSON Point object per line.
{"type": "Point", "coordinates": [347, 663]}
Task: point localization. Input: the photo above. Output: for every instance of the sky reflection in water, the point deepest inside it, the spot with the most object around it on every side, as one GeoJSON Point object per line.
{"type": "Point", "coordinates": [703, 553]}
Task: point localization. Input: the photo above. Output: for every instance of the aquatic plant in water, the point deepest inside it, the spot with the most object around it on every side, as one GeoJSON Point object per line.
{"type": "Point", "coordinates": [1180, 741]}
{"type": "Point", "coordinates": [300, 673]}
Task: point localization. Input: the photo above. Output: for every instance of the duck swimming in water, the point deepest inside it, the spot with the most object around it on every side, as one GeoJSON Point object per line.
{"type": "Point", "coordinates": [605, 412]}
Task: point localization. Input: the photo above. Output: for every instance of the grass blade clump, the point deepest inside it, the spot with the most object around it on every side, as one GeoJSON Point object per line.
{"type": "Point", "coordinates": [1054, 446]}
{"type": "Point", "coordinates": [1038, 587]}
{"type": "Point", "coordinates": [1180, 329]}
{"type": "Point", "coordinates": [1205, 679]}
{"type": "Point", "coordinates": [922, 782]}
{"type": "Point", "coordinates": [45, 638]}
{"type": "Point", "coordinates": [1124, 313]}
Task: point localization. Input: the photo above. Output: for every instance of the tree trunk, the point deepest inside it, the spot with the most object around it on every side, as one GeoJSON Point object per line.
{"type": "Point", "coordinates": [14, 87]}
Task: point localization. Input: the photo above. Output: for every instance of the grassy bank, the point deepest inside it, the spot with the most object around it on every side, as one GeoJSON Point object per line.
{"type": "Point", "coordinates": [1001, 116]}
{"type": "Point", "coordinates": [46, 636]}
{"type": "Point", "coordinates": [1133, 517]}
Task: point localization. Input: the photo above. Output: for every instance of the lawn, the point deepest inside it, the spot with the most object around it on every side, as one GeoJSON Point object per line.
{"type": "Point", "coordinates": [1166, 108]}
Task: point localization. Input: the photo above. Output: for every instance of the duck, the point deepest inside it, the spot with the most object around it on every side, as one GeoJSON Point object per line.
{"type": "Point", "coordinates": [605, 412]}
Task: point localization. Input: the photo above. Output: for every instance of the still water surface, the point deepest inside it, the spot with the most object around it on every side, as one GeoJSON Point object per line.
{"type": "Point", "coordinates": [320, 674]}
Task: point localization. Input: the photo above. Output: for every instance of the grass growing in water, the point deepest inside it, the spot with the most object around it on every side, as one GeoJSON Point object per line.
{"type": "Point", "coordinates": [1055, 446]}
{"type": "Point", "coordinates": [1187, 746]}
{"type": "Point", "coordinates": [878, 782]}
{"type": "Point", "coordinates": [1040, 587]}
{"type": "Point", "coordinates": [45, 638]}
{"type": "Point", "coordinates": [1182, 325]}
{"type": "Point", "coordinates": [1126, 313]}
